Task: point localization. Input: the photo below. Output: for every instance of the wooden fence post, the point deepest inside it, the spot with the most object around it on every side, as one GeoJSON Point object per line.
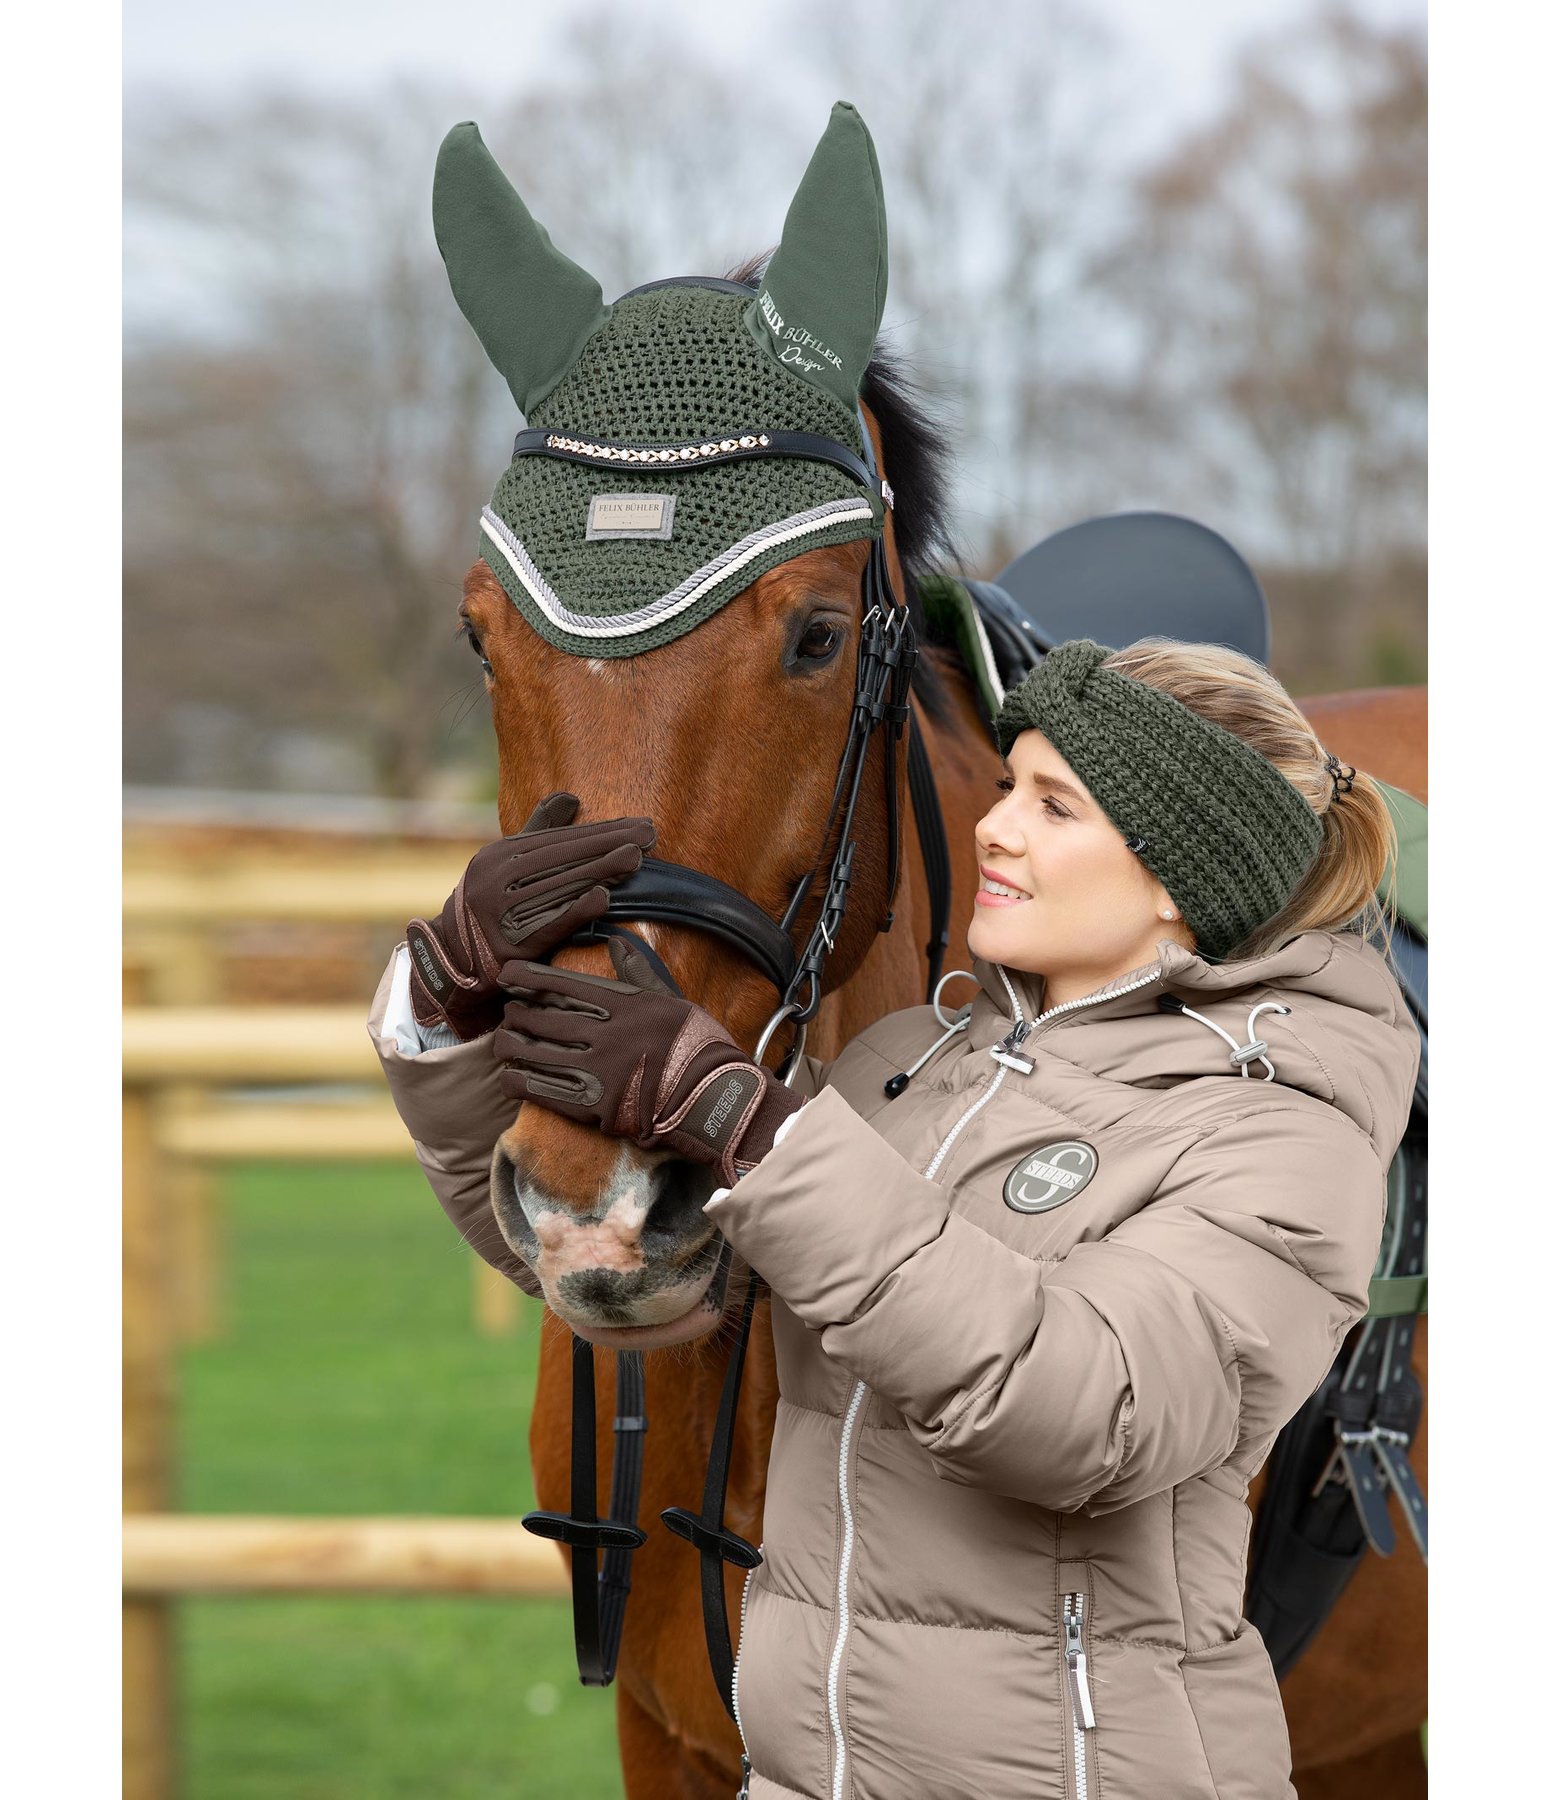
{"type": "Point", "coordinates": [149, 1770]}
{"type": "Point", "coordinates": [188, 969]}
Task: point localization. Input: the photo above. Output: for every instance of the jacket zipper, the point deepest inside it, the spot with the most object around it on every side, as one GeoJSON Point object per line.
{"type": "Point", "coordinates": [1090, 999]}
{"type": "Point", "coordinates": [842, 1585]}
{"type": "Point", "coordinates": [1022, 1028]}
{"type": "Point", "coordinates": [737, 1662]}
{"type": "Point", "coordinates": [1082, 1719]}
{"type": "Point", "coordinates": [857, 1395]}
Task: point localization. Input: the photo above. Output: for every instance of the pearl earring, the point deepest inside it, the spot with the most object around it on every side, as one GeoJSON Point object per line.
{"type": "Point", "coordinates": [1167, 912]}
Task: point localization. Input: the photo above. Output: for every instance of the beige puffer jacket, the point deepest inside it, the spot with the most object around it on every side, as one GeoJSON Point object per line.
{"type": "Point", "coordinates": [1036, 1329]}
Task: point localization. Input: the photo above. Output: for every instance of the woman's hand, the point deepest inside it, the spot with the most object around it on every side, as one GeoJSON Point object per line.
{"type": "Point", "coordinates": [521, 896]}
{"type": "Point", "coordinates": [638, 1062]}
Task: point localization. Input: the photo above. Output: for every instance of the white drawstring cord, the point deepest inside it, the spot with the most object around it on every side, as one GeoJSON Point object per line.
{"type": "Point", "coordinates": [921, 1061]}
{"type": "Point", "coordinates": [936, 992]}
{"type": "Point", "coordinates": [896, 1084]}
{"type": "Point", "coordinates": [1255, 1050]}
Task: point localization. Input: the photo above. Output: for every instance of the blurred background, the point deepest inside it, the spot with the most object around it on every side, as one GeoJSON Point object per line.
{"type": "Point", "coordinates": [1144, 253]}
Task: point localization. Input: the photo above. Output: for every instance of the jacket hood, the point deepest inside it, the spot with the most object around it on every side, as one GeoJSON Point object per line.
{"type": "Point", "coordinates": [1347, 1038]}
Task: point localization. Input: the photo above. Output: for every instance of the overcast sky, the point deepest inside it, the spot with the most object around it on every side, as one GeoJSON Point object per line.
{"type": "Point", "coordinates": [1178, 50]}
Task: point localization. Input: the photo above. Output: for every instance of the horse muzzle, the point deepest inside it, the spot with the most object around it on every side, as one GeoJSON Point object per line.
{"type": "Point", "coordinates": [635, 1264]}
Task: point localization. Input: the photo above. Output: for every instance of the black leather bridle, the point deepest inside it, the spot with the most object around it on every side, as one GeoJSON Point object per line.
{"type": "Point", "coordinates": [669, 893]}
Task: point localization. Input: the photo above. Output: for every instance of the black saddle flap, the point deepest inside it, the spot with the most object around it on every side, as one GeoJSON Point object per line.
{"type": "Point", "coordinates": [1140, 574]}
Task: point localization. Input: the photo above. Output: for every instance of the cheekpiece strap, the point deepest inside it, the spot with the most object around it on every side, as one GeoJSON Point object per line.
{"type": "Point", "coordinates": [602, 453]}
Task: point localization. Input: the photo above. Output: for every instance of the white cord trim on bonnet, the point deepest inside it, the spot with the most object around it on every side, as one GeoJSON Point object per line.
{"type": "Point", "coordinates": [513, 553]}
{"type": "Point", "coordinates": [1255, 1050]}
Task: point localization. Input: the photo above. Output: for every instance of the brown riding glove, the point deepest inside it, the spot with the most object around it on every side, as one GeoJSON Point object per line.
{"type": "Point", "coordinates": [522, 896]}
{"type": "Point", "coordinates": [638, 1062]}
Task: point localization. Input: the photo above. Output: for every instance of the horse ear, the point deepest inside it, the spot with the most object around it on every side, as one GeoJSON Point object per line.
{"type": "Point", "coordinates": [532, 307]}
{"type": "Point", "coordinates": [821, 301]}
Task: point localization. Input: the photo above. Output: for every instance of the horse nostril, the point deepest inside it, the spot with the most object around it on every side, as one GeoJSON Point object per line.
{"type": "Point", "coordinates": [677, 1206]}
{"type": "Point", "coordinates": [506, 1199]}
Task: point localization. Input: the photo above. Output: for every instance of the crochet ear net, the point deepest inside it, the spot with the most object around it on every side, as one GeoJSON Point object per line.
{"type": "Point", "coordinates": [816, 313]}
{"type": "Point", "coordinates": [533, 308]}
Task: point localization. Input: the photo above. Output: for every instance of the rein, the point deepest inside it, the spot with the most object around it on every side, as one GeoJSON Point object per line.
{"type": "Point", "coordinates": [664, 892]}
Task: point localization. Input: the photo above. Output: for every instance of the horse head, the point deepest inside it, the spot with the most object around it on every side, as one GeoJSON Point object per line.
{"type": "Point", "coordinates": [670, 621]}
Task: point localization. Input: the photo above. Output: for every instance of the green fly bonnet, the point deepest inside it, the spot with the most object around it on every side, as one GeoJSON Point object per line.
{"type": "Point", "coordinates": [689, 436]}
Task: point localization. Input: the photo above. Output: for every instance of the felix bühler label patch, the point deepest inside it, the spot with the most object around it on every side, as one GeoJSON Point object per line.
{"type": "Point", "coordinates": [1050, 1176]}
{"type": "Point", "coordinates": [630, 516]}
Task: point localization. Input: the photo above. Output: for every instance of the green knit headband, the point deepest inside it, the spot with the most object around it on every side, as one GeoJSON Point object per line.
{"type": "Point", "coordinates": [1219, 825]}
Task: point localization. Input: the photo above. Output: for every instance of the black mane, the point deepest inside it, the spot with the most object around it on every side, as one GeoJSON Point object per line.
{"type": "Point", "coordinates": [916, 454]}
{"type": "Point", "coordinates": [917, 460]}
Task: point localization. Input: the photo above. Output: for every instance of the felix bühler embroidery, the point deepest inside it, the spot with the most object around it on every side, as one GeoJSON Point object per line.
{"type": "Point", "coordinates": [793, 340]}
{"type": "Point", "coordinates": [1050, 1176]}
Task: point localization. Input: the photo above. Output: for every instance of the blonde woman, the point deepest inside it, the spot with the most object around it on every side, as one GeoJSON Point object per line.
{"type": "Point", "coordinates": [1046, 1284]}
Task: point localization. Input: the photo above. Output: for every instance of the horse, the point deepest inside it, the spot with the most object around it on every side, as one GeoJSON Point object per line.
{"type": "Point", "coordinates": [734, 768]}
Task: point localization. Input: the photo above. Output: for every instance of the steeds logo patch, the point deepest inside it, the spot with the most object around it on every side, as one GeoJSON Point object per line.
{"type": "Point", "coordinates": [1050, 1176]}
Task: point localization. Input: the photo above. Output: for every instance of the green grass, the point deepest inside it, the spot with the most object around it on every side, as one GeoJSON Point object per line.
{"type": "Point", "coordinates": [349, 1379]}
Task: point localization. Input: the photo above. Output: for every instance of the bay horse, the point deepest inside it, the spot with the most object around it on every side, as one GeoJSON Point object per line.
{"type": "Point", "coordinates": [733, 759]}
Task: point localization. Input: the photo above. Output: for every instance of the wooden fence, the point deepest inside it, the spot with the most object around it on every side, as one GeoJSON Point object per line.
{"type": "Point", "coordinates": [165, 1050]}
{"type": "Point", "coordinates": [181, 1047]}
{"type": "Point", "coordinates": [175, 914]}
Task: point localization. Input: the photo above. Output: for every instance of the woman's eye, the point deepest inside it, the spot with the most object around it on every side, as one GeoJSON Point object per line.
{"type": "Point", "coordinates": [1052, 807]}
{"type": "Point", "coordinates": [819, 641]}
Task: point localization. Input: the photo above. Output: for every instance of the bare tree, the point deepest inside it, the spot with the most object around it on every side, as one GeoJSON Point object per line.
{"type": "Point", "coordinates": [303, 459]}
{"type": "Point", "coordinates": [1274, 273]}
{"type": "Point", "coordinates": [309, 442]}
{"type": "Point", "coordinates": [991, 122]}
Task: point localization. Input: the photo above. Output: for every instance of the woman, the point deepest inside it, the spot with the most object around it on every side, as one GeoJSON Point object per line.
{"type": "Point", "coordinates": [1041, 1308]}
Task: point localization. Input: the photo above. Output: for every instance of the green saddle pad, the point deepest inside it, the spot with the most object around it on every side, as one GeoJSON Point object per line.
{"type": "Point", "coordinates": [949, 610]}
{"type": "Point", "coordinates": [1406, 888]}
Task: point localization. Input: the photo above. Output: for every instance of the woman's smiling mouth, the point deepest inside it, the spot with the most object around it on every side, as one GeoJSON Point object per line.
{"type": "Point", "coordinates": [993, 891]}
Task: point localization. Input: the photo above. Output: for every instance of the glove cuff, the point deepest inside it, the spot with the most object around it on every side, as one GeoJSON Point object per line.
{"type": "Point", "coordinates": [441, 993]}
{"type": "Point", "coordinates": [776, 1108]}
{"type": "Point", "coordinates": [732, 1112]}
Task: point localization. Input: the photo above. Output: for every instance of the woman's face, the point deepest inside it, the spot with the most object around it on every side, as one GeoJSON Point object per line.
{"type": "Point", "coordinates": [1086, 908]}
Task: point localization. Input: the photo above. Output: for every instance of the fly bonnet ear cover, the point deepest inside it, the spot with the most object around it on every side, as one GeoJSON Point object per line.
{"type": "Point", "coordinates": [1220, 826]}
{"type": "Point", "coordinates": [663, 525]}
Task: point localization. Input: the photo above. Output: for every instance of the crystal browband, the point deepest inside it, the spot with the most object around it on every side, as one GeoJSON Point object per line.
{"type": "Point", "coordinates": [631, 453]}
{"type": "Point", "coordinates": [598, 453]}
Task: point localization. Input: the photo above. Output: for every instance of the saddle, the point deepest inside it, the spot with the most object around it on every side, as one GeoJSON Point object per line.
{"type": "Point", "coordinates": [1113, 579]}
{"type": "Point", "coordinates": [1340, 1459]}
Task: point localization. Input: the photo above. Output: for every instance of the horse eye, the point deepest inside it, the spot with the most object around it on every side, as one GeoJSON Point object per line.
{"type": "Point", "coordinates": [819, 641]}
{"type": "Point", "coordinates": [466, 630]}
